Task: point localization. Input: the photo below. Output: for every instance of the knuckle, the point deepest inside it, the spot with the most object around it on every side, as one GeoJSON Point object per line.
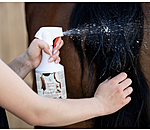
{"type": "Point", "coordinates": [35, 41]}
{"type": "Point", "coordinates": [113, 82]}
{"type": "Point", "coordinates": [62, 42]}
{"type": "Point", "coordinates": [124, 102]}
{"type": "Point", "coordinates": [46, 46]}
{"type": "Point", "coordinates": [58, 53]}
{"type": "Point", "coordinates": [122, 96]}
{"type": "Point", "coordinates": [119, 89]}
{"type": "Point", "coordinates": [58, 58]}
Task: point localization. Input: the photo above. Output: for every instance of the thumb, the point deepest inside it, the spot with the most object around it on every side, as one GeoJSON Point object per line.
{"type": "Point", "coordinates": [44, 46]}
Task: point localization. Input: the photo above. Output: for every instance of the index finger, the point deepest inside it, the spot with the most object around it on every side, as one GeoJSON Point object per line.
{"type": "Point", "coordinates": [119, 78]}
{"type": "Point", "coordinates": [56, 39]}
{"type": "Point", "coordinates": [59, 44]}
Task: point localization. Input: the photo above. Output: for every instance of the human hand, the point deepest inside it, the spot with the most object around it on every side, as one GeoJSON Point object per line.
{"type": "Point", "coordinates": [34, 54]}
{"type": "Point", "coordinates": [113, 94]}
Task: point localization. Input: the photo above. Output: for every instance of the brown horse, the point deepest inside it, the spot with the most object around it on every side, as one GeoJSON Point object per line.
{"type": "Point", "coordinates": [58, 15]}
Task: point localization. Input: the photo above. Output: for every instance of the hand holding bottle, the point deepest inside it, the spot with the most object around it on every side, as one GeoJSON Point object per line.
{"type": "Point", "coordinates": [34, 54]}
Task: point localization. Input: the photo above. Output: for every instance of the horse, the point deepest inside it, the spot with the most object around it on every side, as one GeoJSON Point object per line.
{"type": "Point", "coordinates": [115, 39]}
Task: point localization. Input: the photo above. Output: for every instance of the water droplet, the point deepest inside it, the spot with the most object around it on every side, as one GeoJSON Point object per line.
{"type": "Point", "coordinates": [145, 46]}
{"type": "Point", "coordinates": [91, 32]}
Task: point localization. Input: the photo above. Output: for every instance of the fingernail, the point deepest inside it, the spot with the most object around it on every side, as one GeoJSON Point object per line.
{"type": "Point", "coordinates": [50, 52]}
{"type": "Point", "coordinates": [57, 61]}
{"type": "Point", "coordinates": [57, 45]}
{"type": "Point", "coordinates": [51, 59]}
{"type": "Point", "coordinates": [55, 51]}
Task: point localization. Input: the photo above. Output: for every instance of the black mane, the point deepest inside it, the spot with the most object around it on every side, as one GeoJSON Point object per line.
{"type": "Point", "coordinates": [113, 37]}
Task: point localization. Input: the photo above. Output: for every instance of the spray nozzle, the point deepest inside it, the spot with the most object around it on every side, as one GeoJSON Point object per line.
{"type": "Point", "coordinates": [48, 34]}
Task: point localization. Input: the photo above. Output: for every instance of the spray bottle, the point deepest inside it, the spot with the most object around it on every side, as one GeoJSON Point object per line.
{"type": "Point", "coordinates": [50, 77]}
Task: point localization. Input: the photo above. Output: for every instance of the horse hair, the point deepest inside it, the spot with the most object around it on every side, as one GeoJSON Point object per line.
{"type": "Point", "coordinates": [111, 49]}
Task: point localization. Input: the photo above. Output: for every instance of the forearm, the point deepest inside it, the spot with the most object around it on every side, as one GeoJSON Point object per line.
{"type": "Point", "coordinates": [69, 111]}
{"type": "Point", "coordinates": [21, 65]}
{"type": "Point", "coordinates": [35, 110]}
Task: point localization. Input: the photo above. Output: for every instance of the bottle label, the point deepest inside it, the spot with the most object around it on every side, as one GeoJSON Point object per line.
{"type": "Point", "coordinates": [51, 85]}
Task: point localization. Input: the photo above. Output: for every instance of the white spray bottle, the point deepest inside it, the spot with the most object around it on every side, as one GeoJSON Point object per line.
{"type": "Point", "coordinates": [50, 77]}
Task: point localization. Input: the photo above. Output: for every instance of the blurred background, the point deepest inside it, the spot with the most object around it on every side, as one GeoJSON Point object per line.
{"type": "Point", "coordinates": [13, 42]}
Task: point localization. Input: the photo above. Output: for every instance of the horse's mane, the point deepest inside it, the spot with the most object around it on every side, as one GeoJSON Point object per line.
{"type": "Point", "coordinates": [113, 37]}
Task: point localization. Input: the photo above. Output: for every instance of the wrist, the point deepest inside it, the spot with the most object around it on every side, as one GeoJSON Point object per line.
{"type": "Point", "coordinates": [99, 107]}
{"type": "Point", "coordinates": [26, 61]}
{"type": "Point", "coordinates": [24, 65]}
{"type": "Point", "coordinates": [21, 65]}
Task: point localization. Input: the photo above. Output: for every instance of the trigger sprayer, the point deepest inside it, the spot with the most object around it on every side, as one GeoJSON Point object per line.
{"type": "Point", "coordinates": [50, 77]}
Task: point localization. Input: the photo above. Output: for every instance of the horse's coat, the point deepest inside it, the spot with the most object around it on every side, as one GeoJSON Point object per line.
{"type": "Point", "coordinates": [112, 50]}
